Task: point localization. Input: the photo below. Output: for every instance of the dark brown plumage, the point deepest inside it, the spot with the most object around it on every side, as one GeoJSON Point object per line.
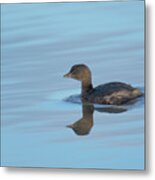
{"type": "Point", "coordinates": [114, 93]}
{"type": "Point", "coordinates": [84, 125]}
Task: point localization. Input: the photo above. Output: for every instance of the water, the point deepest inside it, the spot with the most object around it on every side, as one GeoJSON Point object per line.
{"type": "Point", "coordinates": [40, 42]}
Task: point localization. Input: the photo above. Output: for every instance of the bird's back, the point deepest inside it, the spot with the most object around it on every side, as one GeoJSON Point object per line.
{"type": "Point", "coordinates": [113, 93]}
{"type": "Point", "coordinates": [109, 88]}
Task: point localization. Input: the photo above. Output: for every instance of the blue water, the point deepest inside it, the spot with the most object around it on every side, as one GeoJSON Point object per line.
{"type": "Point", "coordinates": [40, 42]}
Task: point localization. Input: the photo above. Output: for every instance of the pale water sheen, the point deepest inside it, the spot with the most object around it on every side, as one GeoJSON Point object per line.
{"type": "Point", "coordinates": [40, 42]}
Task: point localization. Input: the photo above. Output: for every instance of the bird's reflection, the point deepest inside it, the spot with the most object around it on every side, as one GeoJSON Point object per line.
{"type": "Point", "coordinates": [84, 125]}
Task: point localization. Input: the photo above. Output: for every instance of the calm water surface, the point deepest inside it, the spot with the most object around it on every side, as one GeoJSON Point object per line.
{"type": "Point", "coordinates": [40, 42]}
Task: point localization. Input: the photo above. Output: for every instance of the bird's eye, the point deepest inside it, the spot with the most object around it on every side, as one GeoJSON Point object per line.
{"type": "Point", "coordinates": [72, 69]}
{"type": "Point", "coordinates": [74, 72]}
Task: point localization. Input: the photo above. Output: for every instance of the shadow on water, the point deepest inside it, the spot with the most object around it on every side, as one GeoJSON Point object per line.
{"type": "Point", "coordinates": [84, 125]}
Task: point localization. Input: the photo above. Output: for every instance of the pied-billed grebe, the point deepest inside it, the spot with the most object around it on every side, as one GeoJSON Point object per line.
{"type": "Point", "coordinates": [114, 93]}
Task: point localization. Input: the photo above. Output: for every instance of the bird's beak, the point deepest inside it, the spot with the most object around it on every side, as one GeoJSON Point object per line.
{"type": "Point", "coordinates": [70, 126]}
{"type": "Point", "coordinates": [68, 75]}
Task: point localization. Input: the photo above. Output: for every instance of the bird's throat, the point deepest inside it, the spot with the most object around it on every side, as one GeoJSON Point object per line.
{"type": "Point", "coordinates": [86, 89]}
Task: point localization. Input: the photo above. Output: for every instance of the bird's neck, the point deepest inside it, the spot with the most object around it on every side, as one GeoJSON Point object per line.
{"type": "Point", "coordinates": [86, 87]}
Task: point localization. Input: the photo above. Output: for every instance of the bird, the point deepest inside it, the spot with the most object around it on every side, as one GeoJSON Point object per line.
{"type": "Point", "coordinates": [112, 93]}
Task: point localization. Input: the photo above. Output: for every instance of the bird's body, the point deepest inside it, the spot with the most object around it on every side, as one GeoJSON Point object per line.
{"type": "Point", "coordinates": [114, 93]}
